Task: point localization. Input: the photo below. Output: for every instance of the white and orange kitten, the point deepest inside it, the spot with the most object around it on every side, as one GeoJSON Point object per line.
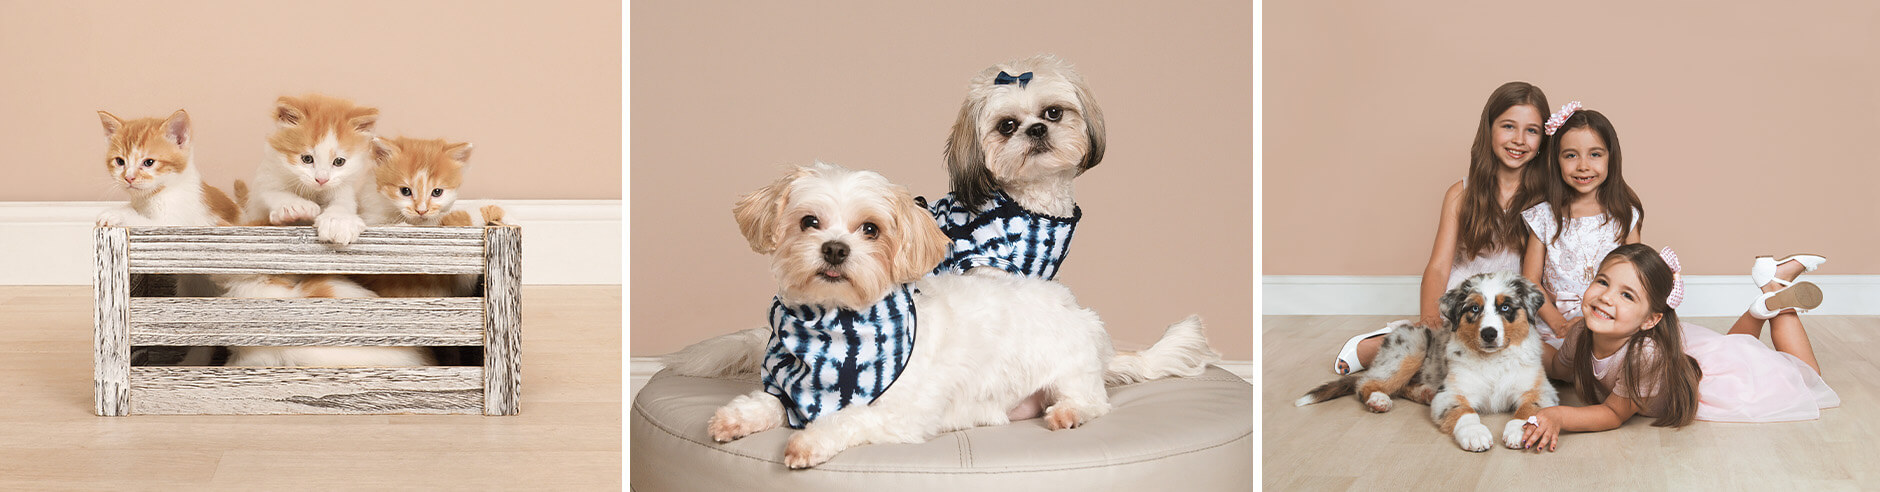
{"type": "Point", "coordinates": [416, 180]}
{"type": "Point", "coordinates": [319, 160]}
{"type": "Point", "coordinates": [151, 159]}
{"type": "Point", "coordinates": [280, 286]}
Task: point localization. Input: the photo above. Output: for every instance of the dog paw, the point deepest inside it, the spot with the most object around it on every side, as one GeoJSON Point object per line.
{"type": "Point", "coordinates": [1060, 417]}
{"type": "Point", "coordinates": [340, 229]}
{"type": "Point", "coordinates": [1378, 402]}
{"type": "Point", "coordinates": [804, 451]}
{"type": "Point", "coordinates": [1511, 434]}
{"type": "Point", "coordinates": [294, 212]}
{"type": "Point", "coordinates": [1475, 437]}
{"type": "Point", "coordinates": [727, 426]}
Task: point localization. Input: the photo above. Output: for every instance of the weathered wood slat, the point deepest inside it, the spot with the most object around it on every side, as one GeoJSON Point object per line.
{"type": "Point", "coordinates": [111, 346]}
{"type": "Point", "coordinates": [402, 322]}
{"type": "Point", "coordinates": [306, 390]}
{"type": "Point", "coordinates": [502, 295]}
{"type": "Point", "coordinates": [289, 250]}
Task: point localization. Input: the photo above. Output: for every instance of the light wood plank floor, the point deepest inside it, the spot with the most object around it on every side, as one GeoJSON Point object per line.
{"type": "Point", "coordinates": [567, 437]}
{"type": "Point", "coordinates": [1337, 445]}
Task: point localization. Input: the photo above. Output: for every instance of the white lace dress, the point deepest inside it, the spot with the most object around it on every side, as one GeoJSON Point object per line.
{"type": "Point", "coordinates": [1574, 257]}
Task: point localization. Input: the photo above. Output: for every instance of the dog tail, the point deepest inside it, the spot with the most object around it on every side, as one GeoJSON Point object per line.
{"type": "Point", "coordinates": [737, 354]}
{"type": "Point", "coordinates": [1338, 387]}
{"type": "Point", "coordinates": [1182, 351]}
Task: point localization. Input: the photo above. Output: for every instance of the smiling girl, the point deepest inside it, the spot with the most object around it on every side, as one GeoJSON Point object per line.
{"type": "Point", "coordinates": [1632, 356]}
{"type": "Point", "coordinates": [1476, 233]}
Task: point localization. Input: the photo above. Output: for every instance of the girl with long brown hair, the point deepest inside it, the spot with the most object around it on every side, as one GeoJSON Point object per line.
{"type": "Point", "coordinates": [1477, 231]}
{"type": "Point", "coordinates": [1629, 355]}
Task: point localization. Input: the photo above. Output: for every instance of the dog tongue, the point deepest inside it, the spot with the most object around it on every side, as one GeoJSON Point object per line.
{"type": "Point", "coordinates": [832, 274]}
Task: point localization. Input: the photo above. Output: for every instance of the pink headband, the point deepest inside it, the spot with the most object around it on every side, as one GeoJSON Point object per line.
{"type": "Point", "coordinates": [1677, 280]}
{"type": "Point", "coordinates": [1560, 117]}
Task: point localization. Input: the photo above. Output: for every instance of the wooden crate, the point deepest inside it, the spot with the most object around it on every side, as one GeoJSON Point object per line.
{"type": "Point", "coordinates": [492, 321]}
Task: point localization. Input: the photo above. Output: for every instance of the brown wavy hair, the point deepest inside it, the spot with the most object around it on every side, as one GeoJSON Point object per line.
{"type": "Point", "coordinates": [1614, 195]}
{"type": "Point", "coordinates": [1483, 225]}
{"type": "Point", "coordinates": [1677, 374]}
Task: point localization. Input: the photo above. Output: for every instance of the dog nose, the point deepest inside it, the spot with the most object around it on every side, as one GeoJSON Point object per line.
{"type": "Point", "coordinates": [834, 252]}
{"type": "Point", "coordinates": [1488, 334]}
{"type": "Point", "coordinates": [1035, 130]}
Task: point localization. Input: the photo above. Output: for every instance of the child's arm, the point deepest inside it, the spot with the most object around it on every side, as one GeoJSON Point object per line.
{"type": "Point", "coordinates": [1531, 264]}
{"type": "Point", "coordinates": [1552, 420]}
{"type": "Point", "coordinates": [1442, 257]}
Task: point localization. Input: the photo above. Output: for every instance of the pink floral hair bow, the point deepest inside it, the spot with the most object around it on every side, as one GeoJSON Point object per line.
{"type": "Point", "coordinates": [1560, 117]}
{"type": "Point", "coordinates": [1677, 279]}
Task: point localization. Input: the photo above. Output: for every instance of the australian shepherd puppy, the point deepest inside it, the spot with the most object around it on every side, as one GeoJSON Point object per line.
{"type": "Point", "coordinates": [1486, 358]}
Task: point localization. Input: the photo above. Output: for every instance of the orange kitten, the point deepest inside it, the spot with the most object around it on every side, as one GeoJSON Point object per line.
{"type": "Point", "coordinates": [150, 158]}
{"type": "Point", "coordinates": [319, 161]}
{"type": "Point", "coordinates": [417, 180]}
{"type": "Point", "coordinates": [277, 286]}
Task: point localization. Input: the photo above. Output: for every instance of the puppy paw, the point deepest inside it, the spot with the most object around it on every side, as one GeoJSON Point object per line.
{"type": "Point", "coordinates": [1511, 434]}
{"type": "Point", "coordinates": [804, 450]}
{"type": "Point", "coordinates": [1060, 417]}
{"type": "Point", "coordinates": [293, 212]}
{"type": "Point", "coordinates": [1474, 437]}
{"type": "Point", "coordinates": [340, 229]}
{"type": "Point", "coordinates": [1378, 402]}
{"type": "Point", "coordinates": [727, 426]}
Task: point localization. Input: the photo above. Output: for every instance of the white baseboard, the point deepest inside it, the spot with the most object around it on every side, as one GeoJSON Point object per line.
{"type": "Point", "coordinates": [1704, 295]}
{"type": "Point", "coordinates": [564, 241]}
{"type": "Point", "coordinates": [641, 369]}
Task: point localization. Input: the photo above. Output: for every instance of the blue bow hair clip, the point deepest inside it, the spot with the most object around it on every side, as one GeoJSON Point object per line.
{"type": "Point", "coordinates": [1006, 78]}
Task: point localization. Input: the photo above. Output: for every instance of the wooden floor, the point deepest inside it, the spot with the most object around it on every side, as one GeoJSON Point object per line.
{"type": "Point", "coordinates": [1337, 445]}
{"type": "Point", "coordinates": [567, 437]}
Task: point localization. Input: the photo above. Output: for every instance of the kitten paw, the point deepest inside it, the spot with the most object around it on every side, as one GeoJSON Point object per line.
{"type": "Point", "coordinates": [1474, 437]}
{"type": "Point", "coordinates": [1378, 402]}
{"type": "Point", "coordinates": [340, 229]}
{"type": "Point", "coordinates": [294, 212]}
{"type": "Point", "coordinates": [493, 215]}
{"type": "Point", "coordinates": [804, 451]}
{"type": "Point", "coordinates": [116, 217]}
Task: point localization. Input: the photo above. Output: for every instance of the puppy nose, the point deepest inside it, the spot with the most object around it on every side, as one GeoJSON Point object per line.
{"type": "Point", "coordinates": [834, 252]}
{"type": "Point", "coordinates": [1035, 130]}
{"type": "Point", "coordinates": [1488, 334]}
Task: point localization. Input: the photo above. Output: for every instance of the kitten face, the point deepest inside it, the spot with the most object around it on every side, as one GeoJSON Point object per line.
{"type": "Point", "coordinates": [324, 141]}
{"type": "Point", "coordinates": [420, 177]}
{"type": "Point", "coordinates": [147, 154]}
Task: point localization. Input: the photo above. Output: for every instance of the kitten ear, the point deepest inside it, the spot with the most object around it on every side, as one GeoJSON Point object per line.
{"type": "Point", "coordinates": [111, 124]}
{"type": "Point", "coordinates": [176, 128]}
{"type": "Point", "coordinates": [363, 120]}
{"type": "Point", "coordinates": [922, 245]}
{"type": "Point", "coordinates": [757, 213]}
{"type": "Point", "coordinates": [287, 112]}
{"type": "Point", "coordinates": [459, 152]}
{"type": "Point", "coordinates": [383, 150]}
{"type": "Point", "coordinates": [966, 160]}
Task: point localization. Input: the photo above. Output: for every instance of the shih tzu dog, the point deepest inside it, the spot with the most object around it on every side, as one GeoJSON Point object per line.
{"type": "Point", "coordinates": [1027, 129]}
{"type": "Point", "coordinates": [865, 347]}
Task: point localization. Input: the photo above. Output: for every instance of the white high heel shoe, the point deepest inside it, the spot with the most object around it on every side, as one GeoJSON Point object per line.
{"type": "Point", "coordinates": [1802, 296]}
{"type": "Point", "coordinates": [1764, 271]}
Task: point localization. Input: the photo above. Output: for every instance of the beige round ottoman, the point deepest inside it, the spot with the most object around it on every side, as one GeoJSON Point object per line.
{"type": "Point", "coordinates": [1187, 434]}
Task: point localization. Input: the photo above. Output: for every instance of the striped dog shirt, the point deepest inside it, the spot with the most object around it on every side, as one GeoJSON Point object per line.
{"type": "Point", "coordinates": [1003, 235]}
{"type": "Point", "coordinates": [821, 360]}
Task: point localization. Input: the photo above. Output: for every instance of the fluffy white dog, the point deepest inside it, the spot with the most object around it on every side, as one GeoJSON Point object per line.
{"type": "Point", "coordinates": [842, 243]}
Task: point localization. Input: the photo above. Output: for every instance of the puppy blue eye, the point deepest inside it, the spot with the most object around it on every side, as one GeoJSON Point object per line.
{"type": "Point", "coordinates": [404, 191]}
{"type": "Point", "coordinates": [306, 159]}
{"type": "Point", "coordinates": [810, 222]}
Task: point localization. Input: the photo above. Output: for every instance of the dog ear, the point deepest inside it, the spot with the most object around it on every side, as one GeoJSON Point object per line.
{"type": "Point", "coordinates": [919, 244]}
{"type": "Point", "coordinates": [757, 213]}
{"type": "Point", "coordinates": [1531, 297]}
{"type": "Point", "coordinates": [966, 160]}
{"type": "Point", "coordinates": [1093, 127]}
{"type": "Point", "coordinates": [1451, 303]}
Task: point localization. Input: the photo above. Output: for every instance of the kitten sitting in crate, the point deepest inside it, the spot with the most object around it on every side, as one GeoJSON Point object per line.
{"type": "Point", "coordinates": [296, 286]}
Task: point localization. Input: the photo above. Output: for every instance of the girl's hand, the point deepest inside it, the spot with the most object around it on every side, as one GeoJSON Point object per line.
{"type": "Point", "coordinates": [1543, 433]}
{"type": "Point", "coordinates": [1432, 321]}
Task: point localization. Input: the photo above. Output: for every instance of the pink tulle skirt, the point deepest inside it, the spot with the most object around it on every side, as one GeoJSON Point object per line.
{"type": "Point", "coordinates": [1746, 381]}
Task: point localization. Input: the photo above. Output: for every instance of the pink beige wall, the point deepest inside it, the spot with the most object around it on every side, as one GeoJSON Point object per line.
{"type": "Point", "coordinates": [1746, 126]}
{"type": "Point", "coordinates": [536, 87]}
{"type": "Point", "coordinates": [724, 99]}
